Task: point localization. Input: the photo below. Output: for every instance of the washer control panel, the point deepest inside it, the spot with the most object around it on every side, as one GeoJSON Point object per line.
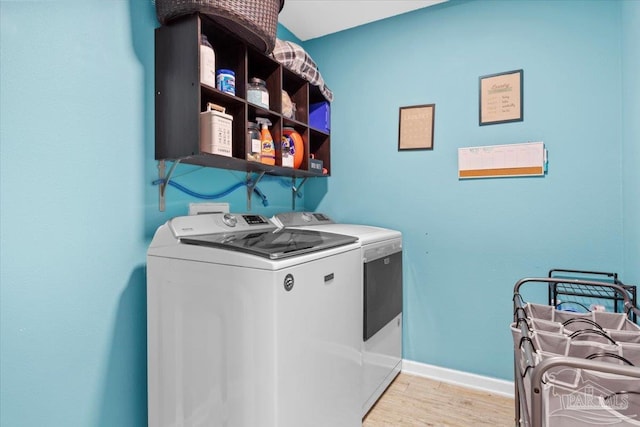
{"type": "Point", "coordinates": [212, 223]}
{"type": "Point", "coordinates": [255, 219]}
{"type": "Point", "coordinates": [297, 219]}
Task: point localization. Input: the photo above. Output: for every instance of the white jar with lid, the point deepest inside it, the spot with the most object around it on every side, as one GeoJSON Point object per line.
{"type": "Point", "coordinates": [207, 62]}
{"type": "Point", "coordinates": [257, 93]}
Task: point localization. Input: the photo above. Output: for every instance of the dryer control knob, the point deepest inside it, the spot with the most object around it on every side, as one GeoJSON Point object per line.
{"type": "Point", "coordinates": [306, 217]}
{"type": "Point", "coordinates": [230, 220]}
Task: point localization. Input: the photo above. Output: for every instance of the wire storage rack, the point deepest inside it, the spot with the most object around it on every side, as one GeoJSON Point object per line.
{"type": "Point", "coordinates": [575, 369]}
{"type": "Point", "coordinates": [570, 297]}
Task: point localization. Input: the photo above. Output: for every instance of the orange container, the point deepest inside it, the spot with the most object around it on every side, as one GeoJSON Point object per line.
{"type": "Point", "coordinates": [298, 146]}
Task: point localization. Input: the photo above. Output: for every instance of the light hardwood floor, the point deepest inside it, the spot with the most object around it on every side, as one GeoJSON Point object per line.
{"type": "Point", "coordinates": [417, 401]}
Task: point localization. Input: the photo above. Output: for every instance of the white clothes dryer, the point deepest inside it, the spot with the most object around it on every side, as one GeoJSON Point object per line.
{"type": "Point", "coordinates": [380, 282]}
{"type": "Point", "coordinates": [250, 325]}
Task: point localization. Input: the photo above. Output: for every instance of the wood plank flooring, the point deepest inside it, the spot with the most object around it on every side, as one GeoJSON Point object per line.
{"type": "Point", "coordinates": [417, 401]}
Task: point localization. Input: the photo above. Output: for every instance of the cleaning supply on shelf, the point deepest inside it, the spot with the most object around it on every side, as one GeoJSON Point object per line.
{"type": "Point", "coordinates": [226, 81]}
{"type": "Point", "coordinates": [286, 151]}
{"type": "Point", "coordinates": [207, 62]}
{"type": "Point", "coordinates": [296, 146]}
{"type": "Point", "coordinates": [254, 143]}
{"type": "Point", "coordinates": [268, 151]}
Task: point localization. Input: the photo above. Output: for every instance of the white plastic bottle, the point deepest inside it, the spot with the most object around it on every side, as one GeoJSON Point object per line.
{"type": "Point", "coordinates": [207, 62]}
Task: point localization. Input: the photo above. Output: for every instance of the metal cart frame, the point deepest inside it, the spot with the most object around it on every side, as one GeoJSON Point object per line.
{"type": "Point", "coordinates": [597, 293]}
{"type": "Point", "coordinates": [529, 408]}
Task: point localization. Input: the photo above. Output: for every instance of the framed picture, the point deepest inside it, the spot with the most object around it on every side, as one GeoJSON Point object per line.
{"type": "Point", "coordinates": [501, 98]}
{"type": "Point", "coordinates": [415, 129]}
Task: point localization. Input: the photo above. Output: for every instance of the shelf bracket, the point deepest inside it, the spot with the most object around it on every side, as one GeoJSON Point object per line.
{"type": "Point", "coordinates": [164, 181]}
{"type": "Point", "coordinates": [295, 191]}
{"type": "Point", "coordinates": [251, 185]}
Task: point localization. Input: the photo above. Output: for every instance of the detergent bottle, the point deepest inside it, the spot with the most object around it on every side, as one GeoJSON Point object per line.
{"type": "Point", "coordinates": [296, 146]}
{"type": "Point", "coordinates": [268, 152]}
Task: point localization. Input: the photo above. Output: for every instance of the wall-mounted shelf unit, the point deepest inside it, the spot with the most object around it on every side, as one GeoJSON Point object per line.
{"type": "Point", "coordinates": [180, 97]}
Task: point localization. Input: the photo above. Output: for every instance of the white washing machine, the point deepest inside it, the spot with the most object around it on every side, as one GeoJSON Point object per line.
{"type": "Point", "coordinates": [380, 282]}
{"type": "Point", "coordinates": [250, 325]}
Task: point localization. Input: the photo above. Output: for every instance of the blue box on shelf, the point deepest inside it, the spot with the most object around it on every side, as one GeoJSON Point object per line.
{"type": "Point", "coordinates": [320, 116]}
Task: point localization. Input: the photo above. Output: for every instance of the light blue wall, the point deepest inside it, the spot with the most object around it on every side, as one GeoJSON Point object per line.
{"type": "Point", "coordinates": [631, 138]}
{"type": "Point", "coordinates": [285, 34]}
{"type": "Point", "coordinates": [75, 89]}
{"type": "Point", "coordinates": [468, 242]}
{"type": "Point", "coordinates": [78, 208]}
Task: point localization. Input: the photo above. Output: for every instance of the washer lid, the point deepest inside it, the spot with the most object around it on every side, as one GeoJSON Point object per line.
{"type": "Point", "coordinates": [273, 244]}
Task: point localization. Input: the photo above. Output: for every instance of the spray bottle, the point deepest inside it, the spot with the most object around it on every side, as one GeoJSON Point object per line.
{"type": "Point", "coordinates": [268, 152]}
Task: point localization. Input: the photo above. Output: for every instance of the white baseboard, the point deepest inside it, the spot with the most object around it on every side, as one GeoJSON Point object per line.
{"type": "Point", "coordinates": [460, 378]}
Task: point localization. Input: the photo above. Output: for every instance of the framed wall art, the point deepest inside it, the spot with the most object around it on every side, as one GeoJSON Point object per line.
{"type": "Point", "coordinates": [501, 98]}
{"type": "Point", "coordinates": [415, 129]}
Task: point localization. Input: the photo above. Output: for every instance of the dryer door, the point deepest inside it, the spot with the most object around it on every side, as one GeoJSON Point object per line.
{"type": "Point", "coordinates": [382, 291]}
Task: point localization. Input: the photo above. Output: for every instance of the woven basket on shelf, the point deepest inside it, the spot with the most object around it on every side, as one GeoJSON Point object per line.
{"type": "Point", "coordinates": [254, 21]}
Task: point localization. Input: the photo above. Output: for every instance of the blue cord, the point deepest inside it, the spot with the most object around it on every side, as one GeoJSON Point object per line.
{"type": "Point", "coordinates": [256, 190]}
{"type": "Point", "coordinates": [226, 192]}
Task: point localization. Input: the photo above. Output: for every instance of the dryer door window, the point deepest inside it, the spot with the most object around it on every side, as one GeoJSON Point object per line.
{"type": "Point", "coordinates": [382, 292]}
